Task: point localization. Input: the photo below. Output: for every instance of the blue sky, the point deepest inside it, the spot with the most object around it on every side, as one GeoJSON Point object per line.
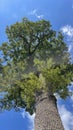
{"type": "Point", "coordinates": [60, 14]}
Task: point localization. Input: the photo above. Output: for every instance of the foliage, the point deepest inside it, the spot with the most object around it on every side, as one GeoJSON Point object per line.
{"type": "Point", "coordinates": [34, 59]}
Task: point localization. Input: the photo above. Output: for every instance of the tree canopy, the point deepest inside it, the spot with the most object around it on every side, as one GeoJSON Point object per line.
{"type": "Point", "coordinates": [35, 58]}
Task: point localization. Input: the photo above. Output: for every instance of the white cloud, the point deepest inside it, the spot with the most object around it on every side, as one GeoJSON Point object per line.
{"type": "Point", "coordinates": [35, 13]}
{"type": "Point", "coordinates": [40, 16]}
{"type": "Point", "coordinates": [70, 47]}
{"type": "Point", "coordinates": [30, 117]}
{"type": "Point", "coordinates": [57, 96]}
{"type": "Point", "coordinates": [67, 30]}
{"type": "Point", "coordinates": [67, 117]}
{"type": "Point", "coordinates": [68, 33]}
{"type": "Point", "coordinates": [24, 114]}
{"type": "Point", "coordinates": [72, 97]}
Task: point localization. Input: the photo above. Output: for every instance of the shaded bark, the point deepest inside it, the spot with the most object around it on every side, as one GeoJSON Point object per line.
{"type": "Point", "coordinates": [47, 116]}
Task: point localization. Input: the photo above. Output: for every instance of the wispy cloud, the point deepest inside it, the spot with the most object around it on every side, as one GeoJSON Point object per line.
{"type": "Point", "coordinates": [67, 117]}
{"type": "Point", "coordinates": [23, 113]}
{"type": "Point", "coordinates": [72, 97]}
{"type": "Point", "coordinates": [70, 47]}
{"type": "Point", "coordinates": [68, 32]}
{"type": "Point", "coordinates": [26, 114]}
{"type": "Point", "coordinates": [33, 12]}
{"type": "Point", "coordinates": [30, 117]}
{"type": "Point", "coordinates": [71, 90]}
{"type": "Point", "coordinates": [36, 14]}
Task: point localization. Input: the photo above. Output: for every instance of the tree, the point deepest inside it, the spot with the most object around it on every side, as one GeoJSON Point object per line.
{"type": "Point", "coordinates": [35, 64]}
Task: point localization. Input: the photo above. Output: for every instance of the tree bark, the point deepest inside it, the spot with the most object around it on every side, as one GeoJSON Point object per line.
{"type": "Point", "coordinates": [47, 116]}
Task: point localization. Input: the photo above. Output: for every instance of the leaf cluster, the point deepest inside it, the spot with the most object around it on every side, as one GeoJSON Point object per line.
{"type": "Point", "coordinates": [35, 58]}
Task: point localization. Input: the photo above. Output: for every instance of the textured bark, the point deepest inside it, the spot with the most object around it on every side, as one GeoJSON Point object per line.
{"type": "Point", "coordinates": [47, 117]}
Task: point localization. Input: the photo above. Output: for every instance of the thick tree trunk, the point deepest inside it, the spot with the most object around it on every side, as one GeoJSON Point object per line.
{"type": "Point", "coordinates": [47, 117]}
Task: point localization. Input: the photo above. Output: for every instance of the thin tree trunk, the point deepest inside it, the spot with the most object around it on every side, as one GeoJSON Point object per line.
{"type": "Point", "coordinates": [47, 117]}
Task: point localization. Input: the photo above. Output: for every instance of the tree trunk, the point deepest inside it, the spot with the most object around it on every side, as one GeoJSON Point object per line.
{"type": "Point", "coordinates": [47, 117]}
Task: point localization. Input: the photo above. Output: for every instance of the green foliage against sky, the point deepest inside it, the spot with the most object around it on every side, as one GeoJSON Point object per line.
{"type": "Point", "coordinates": [35, 58]}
